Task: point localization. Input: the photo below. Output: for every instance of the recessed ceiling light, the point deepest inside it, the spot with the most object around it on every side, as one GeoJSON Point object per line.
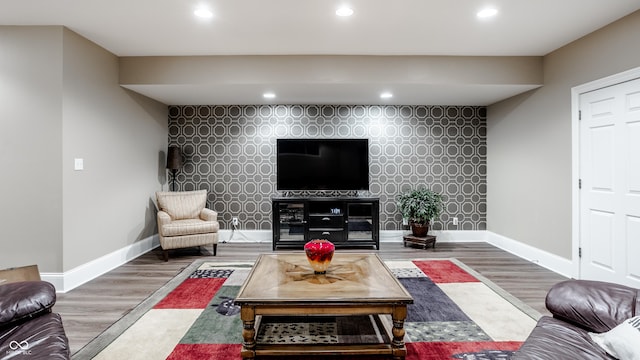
{"type": "Point", "coordinates": [488, 12]}
{"type": "Point", "coordinates": [344, 11]}
{"type": "Point", "coordinates": [203, 13]}
{"type": "Point", "coordinates": [386, 95]}
{"type": "Point", "coordinates": [269, 95]}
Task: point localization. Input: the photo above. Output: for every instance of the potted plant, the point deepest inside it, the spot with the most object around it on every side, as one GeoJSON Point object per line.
{"type": "Point", "coordinates": [420, 206]}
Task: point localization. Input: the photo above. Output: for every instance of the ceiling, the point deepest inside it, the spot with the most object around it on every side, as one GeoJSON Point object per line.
{"type": "Point", "coordinates": [311, 27]}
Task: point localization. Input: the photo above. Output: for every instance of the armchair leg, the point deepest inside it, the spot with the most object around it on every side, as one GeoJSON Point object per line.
{"type": "Point", "coordinates": [165, 254]}
{"type": "Point", "coordinates": [215, 249]}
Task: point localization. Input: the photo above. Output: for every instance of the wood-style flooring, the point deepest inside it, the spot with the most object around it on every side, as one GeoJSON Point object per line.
{"type": "Point", "coordinates": [91, 308]}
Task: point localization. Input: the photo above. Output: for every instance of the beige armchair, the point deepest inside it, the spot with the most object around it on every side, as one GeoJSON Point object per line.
{"type": "Point", "coordinates": [184, 221]}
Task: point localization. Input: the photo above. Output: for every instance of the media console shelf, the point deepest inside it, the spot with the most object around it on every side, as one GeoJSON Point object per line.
{"type": "Point", "coordinates": [345, 221]}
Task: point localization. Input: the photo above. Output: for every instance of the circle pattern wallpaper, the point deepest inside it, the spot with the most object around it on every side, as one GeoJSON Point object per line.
{"type": "Point", "coordinates": [231, 152]}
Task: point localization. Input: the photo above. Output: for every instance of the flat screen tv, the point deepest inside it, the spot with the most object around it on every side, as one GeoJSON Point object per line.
{"type": "Point", "coordinates": [322, 164]}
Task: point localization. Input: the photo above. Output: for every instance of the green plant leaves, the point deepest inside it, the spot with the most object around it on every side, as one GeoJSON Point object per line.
{"type": "Point", "coordinates": [420, 205]}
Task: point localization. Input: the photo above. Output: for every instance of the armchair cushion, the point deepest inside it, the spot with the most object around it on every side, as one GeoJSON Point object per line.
{"type": "Point", "coordinates": [189, 227]}
{"type": "Point", "coordinates": [25, 300]}
{"type": "Point", "coordinates": [554, 339]}
{"type": "Point", "coordinates": [182, 205]}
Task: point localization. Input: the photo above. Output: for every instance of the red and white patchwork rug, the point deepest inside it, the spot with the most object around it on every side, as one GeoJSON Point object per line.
{"type": "Point", "coordinates": [457, 314]}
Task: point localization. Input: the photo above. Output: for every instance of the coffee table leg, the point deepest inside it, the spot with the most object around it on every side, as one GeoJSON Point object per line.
{"type": "Point", "coordinates": [248, 316]}
{"type": "Point", "coordinates": [397, 344]}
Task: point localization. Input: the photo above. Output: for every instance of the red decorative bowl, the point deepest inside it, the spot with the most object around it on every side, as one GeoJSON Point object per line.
{"type": "Point", "coordinates": [319, 254]}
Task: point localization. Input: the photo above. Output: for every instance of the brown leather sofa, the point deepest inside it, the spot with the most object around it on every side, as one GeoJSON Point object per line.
{"type": "Point", "coordinates": [579, 307]}
{"type": "Point", "coordinates": [28, 327]}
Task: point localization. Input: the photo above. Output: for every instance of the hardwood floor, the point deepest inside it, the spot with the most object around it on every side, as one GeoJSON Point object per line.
{"type": "Point", "coordinates": [91, 308]}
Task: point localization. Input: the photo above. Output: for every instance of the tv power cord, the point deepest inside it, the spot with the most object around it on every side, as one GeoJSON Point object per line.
{"type": "Point", "coordinates": [234, 228]}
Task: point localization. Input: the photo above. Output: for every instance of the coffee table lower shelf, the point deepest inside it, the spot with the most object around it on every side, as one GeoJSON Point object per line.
{"type": "Point", "coordinates": [324, 350]}
{"type": "Point", "coordinates": [383, 326]}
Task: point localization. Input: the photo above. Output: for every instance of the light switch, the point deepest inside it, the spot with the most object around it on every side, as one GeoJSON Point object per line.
{"type": "Point", "coordinates": [78, 164]}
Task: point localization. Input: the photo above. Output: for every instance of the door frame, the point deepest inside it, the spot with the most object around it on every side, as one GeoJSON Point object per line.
{"type": "Point", "coordinates": [575, 153]}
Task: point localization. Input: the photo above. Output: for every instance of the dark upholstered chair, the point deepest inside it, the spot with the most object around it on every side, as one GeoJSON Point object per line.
{"type": "Point", "coordinates": [28, 328]}
{"type": "Point", "coordinates": [579, 307]}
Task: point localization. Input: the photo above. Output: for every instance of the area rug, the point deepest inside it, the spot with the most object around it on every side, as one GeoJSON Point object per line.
{"type": "Point", "coordinates": [457, 314]}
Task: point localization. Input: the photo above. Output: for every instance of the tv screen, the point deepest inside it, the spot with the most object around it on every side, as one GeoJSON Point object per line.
{"type": "Point", "coordinates": [322, 164]}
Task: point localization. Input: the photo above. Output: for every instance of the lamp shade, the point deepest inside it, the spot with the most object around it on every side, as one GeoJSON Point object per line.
{"type": "Point", "coordinates": [174, 158]}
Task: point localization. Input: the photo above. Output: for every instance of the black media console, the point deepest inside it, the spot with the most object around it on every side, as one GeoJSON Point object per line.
{"type": "Point", "coordinates": [345, 221]}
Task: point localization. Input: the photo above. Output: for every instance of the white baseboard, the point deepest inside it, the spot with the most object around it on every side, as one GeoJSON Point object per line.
{"type": "Point", "coordinates": [545, 259]}
{"type": "Point", "coordinates": [79, 275]}
{"type": "Point", "coordinates": [244, 236]}
{"type": "Point", "coordinates": [460, 235]}
{"type": "Point", "coordinates": [391, 236]}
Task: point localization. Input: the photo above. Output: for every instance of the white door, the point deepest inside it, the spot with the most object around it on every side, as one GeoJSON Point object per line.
{"type": "Point", "coordinates": [610, 177]}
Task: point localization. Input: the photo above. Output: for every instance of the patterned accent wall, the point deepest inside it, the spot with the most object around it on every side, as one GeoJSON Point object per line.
{"type": "Point", "coordinates": [231, 151]}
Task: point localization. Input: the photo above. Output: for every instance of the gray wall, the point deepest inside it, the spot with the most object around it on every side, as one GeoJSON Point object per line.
{"type": "Point", "coordinates": [231, 151]}
{"type": "Point", "coordinates": [31, 140]}
{"type": "Point", "coordinates": [529, 140]}
{"type": "Point", "coordinates": [61, 100]}
{"type": "Point", "coordinates": [122, 137]}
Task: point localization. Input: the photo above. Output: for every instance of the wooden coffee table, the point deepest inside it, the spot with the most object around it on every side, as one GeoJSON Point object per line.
{"type": "Point", "coordinates": [283, 284]}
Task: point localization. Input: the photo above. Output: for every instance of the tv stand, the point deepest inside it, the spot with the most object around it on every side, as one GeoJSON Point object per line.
{"type": "Point", "coordinates": [345, 221]}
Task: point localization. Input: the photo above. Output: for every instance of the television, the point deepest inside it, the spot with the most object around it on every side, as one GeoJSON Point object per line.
{"type": "Point", "coordinates": [322, 164]}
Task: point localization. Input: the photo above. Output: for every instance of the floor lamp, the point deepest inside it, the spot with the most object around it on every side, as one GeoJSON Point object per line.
{"type": "Point", "coordinates": [174, 162]}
